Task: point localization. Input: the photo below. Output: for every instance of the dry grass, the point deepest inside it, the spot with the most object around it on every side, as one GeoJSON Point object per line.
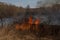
{"type": "Point", "coordinates": [11, 34]}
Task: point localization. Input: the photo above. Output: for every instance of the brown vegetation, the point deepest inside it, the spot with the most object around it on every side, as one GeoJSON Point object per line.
{"type": "Point", "coordinates": [17, 32]}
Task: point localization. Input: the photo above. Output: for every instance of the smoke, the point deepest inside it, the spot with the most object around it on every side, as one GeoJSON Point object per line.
{"type": "Point", "coordinates": [47, 2]}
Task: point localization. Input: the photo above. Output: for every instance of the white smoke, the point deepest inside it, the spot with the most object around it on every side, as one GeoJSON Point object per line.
{"type": "Point", "coordinates": [47, 2]}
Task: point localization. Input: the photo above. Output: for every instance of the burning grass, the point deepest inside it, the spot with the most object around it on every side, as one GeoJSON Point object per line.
{"type": "Point", "coordinates": [29, 31]}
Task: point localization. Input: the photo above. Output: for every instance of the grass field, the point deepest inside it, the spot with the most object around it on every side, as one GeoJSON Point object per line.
{"type": "Point", "coordinates": [11, 34]}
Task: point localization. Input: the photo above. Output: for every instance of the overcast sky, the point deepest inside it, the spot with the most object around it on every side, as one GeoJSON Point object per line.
{"type": "Point", "coordinates": [23, 3]}
{"type": "Point", "coordinates": [32, 3]}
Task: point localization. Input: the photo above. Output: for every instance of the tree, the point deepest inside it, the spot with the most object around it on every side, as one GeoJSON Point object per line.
{"type": "Point", "coordinates": [7, 11]}
{"type": "Point", "coordinates": [27, 13]}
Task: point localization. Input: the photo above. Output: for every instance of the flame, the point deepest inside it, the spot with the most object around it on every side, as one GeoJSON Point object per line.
{"type": "Point", "coordinates": [27, 27]}
{"type": "Point", "coordinates": [37, 21]}
{"type": "Point", "coordinates": [17, 27]}
{"type": "Point", "coordinates": [30, 20]}
{"type": "Point", "coordinates": [22, 27]}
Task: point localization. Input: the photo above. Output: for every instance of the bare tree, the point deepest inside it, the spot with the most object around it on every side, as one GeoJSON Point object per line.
{"type": "Point", "coordinates": [27, 13]}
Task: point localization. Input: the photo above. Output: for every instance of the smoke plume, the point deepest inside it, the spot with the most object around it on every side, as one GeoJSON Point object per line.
{"type": "Point", "coordinates": [41, 3]}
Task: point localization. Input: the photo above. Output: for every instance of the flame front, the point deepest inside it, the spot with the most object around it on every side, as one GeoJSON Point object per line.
{"type": "Point", "coordinates": [28, 26]}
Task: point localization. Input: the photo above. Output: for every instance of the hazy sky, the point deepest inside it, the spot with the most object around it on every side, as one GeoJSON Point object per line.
{"type": "Point", "coordinates": [23, 3]}
{"type": "Point", "coordinates": [32, 3]}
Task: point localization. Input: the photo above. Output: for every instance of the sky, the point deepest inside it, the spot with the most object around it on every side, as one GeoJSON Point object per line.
{"type": "Point", "coordinates": [23, 3]}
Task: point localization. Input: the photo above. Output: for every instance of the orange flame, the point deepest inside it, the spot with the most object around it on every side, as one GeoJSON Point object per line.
{"type": "Point", "coordinates": [22, 27]}
{"type": "Point", "coordinates": [30, 20]}
{"type": "Point", "coordinates": [37, 21]}
{"type": "Point", "coordinates": [17, 27]}
{"type": "Point", "coordinates": [27, 27]}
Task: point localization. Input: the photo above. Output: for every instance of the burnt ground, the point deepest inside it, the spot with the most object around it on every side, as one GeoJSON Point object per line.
{"type": "Point", "coordinates": [9, 33]}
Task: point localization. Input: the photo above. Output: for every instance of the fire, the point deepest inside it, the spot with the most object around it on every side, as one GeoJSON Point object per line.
{"type": "Point", "coordinates": [17, 27]}
{"type": "Point", "coordinates": [27, 27]}
{"type": "Point", "coordinates": [22, 27]}
{"type": "Point", "coordinates": [30, 20]}
{"type": "Point", "coordinates": [37, 21]}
